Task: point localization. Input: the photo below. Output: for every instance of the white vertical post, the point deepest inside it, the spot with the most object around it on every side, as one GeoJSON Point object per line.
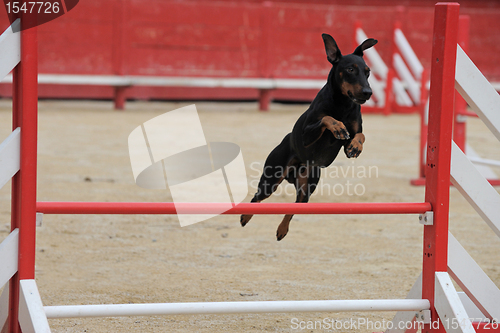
{"type": "Point", "coordinates": [449, 307]}
{"type": "Point", "coordinates": [32, 318]}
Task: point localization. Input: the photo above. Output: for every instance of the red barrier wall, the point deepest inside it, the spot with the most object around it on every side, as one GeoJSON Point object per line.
{"type": "Point", "coordinates": [235, 39]}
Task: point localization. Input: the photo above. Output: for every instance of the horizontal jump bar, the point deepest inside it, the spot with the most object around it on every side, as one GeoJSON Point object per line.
{"type": "Point", "coordinates": [48, 207]}
{"type": "Point", "coordinates": [155, 309]}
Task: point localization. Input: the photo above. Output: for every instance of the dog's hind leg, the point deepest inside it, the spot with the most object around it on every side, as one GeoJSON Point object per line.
{"type": "Point", "coordinates": [275, 170]}
{"type": "Point", "coordinates": [305, 184]}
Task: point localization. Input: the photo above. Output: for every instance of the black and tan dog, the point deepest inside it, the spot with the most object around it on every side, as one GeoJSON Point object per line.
{"type": "Point", "coordinates": [332, 121]}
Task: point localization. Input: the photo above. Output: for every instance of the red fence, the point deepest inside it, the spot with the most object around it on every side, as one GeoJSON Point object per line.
{"type": "Point", "coordinates": [234, 39]}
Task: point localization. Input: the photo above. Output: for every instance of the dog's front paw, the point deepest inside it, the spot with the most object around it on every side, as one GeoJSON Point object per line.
{"type": "Point", "coordinates": [353, 149]}
{"type": "Point", "coordinates": [339, 130]}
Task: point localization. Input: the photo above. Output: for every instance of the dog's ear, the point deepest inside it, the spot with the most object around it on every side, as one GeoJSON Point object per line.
{"type": "Point", "coordinates": [332, 50]}
{"type": "Point", "coordinates": [365, 45]}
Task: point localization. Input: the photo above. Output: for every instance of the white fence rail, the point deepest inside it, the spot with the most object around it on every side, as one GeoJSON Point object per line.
{"type": "Point", "coordinates": [10, 44]}
{"type": "Point", "coordinates": [478, 92]}
{"type": "Point", "coordinates": [10, 150]}
{"type": "Point", "coordinates": [113, 310]}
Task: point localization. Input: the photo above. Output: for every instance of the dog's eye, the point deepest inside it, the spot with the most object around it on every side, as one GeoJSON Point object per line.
{"type": "Point", "coordinates": [350, 70]}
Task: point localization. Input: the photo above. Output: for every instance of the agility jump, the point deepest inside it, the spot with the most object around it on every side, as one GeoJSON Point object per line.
{"type": "Point", "coordinates": [460, 122]}
{"type": "Point", "coordinates": [401, 87]}
{"type": "Point", "coordinates": [434, 298]}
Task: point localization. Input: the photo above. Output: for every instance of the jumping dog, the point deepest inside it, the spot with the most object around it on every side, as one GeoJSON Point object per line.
{"type": "Point", "coordinates": [332, 121]}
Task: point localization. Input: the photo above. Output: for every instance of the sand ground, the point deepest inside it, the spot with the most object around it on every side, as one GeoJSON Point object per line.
{"type": "Point", "coordinates": [98, 259]}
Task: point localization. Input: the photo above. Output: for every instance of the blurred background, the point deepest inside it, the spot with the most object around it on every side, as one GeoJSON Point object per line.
{"type": "Point", "coordinates": [233, 39]}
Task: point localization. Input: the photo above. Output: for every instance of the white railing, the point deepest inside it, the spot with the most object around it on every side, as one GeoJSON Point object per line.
{"type": "Point", "coordinates": [479, 289]}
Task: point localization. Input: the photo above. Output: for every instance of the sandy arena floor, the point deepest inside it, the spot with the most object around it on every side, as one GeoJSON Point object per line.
{"type": "Point", "coordinates": [98, 259]}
